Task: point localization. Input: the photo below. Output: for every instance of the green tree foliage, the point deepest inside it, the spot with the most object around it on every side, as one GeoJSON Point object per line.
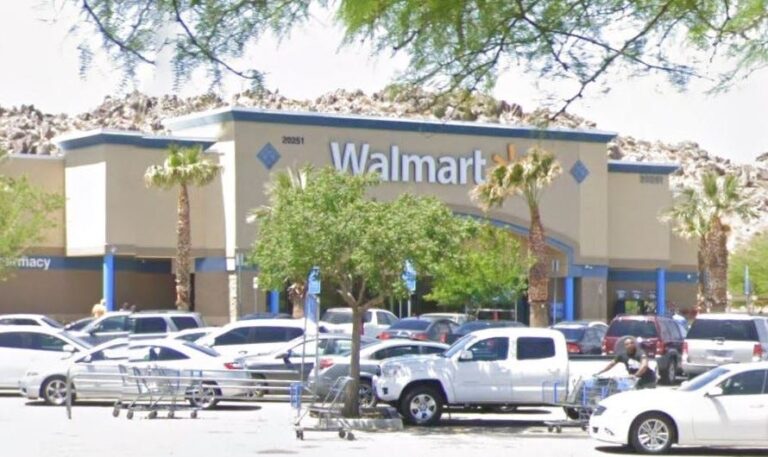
{"type": "Point", "coordinates": [26, 212]}
{"type": "Point", "coordinates": [359, 244]}
{"type": "Point", "coordinates": [491, 269]}
{"type": "Point", "coordinates": [182, 168]}
{"type": "Point", "coordinates": [453, 44]}
{"type": "Point", "coordinates": [754, 255]}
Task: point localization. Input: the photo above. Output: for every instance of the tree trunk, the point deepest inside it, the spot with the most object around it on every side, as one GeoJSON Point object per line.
{"type": "Point", "coordinates": [352, 400]}
{"type": "Point", "coordinates": [718, 265]}
{"type": "Point", "coordinates": [183, 247]}
{"type": "Point", "coordinates": [703, 267]}
{"type": "Point", "coordinates": [296, 296]}
{"type": "Point", "coordinates": [538, 280]}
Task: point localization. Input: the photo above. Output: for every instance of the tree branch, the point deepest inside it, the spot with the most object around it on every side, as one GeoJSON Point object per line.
{"type": "Point", "coordinates": [112, 38]}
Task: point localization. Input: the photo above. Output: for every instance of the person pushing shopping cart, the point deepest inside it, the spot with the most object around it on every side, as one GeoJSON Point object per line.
{"type": "Point", "coordinates": [636, 362]}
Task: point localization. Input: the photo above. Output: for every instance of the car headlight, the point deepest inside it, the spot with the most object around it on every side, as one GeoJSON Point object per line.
{"type": "Point", "coordinates": [599, 410]}
{"type": "Point", "coordinates": [391, 370]}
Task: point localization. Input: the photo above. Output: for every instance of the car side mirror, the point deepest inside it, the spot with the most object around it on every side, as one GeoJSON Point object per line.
{"type": "Point", "coordinates": [714, 392]}
{"type": "Point", "coordinates": [69, 348]}
{"type": "Point", "coordinates": [466, 356]}
{"type": "Point", "coordinates": [86, 359]}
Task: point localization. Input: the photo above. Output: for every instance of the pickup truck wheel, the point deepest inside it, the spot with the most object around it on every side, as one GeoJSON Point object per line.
{"type": "Point", "coordinates": [422, 405]}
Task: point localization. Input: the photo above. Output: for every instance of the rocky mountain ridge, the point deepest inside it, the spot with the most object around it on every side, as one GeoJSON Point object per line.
{"type": "Point", "coordinates": [27, 130]}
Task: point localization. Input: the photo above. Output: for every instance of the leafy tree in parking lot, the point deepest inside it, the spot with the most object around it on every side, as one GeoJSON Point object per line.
{"type": "Point", "coordinates": [359, 244]}
{"type": "Point", "coordinates": [183, 167]}
{"type": "Point", "coordinates": [26, 212]}
{"type": "Point", "coordinates": [754, 255]}
{"type": "Point", "coordinates": [490, 269]}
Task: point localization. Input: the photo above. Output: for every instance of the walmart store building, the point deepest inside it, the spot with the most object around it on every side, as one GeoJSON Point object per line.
{"type": "Point", "coordinates": [115, 238]}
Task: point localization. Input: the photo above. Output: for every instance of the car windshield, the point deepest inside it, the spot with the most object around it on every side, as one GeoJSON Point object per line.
{"type": "Point", "coordinates": [571, 333]}
{"type": "Point", "coordinates": [337, 317]}
{"type": "Point", "coordinates": [52, 323]}
{"type": "Point", "coordinates": [459, 345]}
{"type": "Point", "coordinates": [733, 330]}
{"type": "Point", "coordinates": [410, 324]}
{"type": "Point", "coordinates": [703, 379]}
{"type": "Point", "coordinates": [632, 327]}
{"type": "Point", "coordinates": [204, 349]}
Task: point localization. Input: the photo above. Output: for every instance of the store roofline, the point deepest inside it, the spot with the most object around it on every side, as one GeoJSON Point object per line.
{"type": "Point", "coordinates": [646, 168]}
{"type": "Point", "coordinates": [245, 114]}
{"type": "Point", "coordinates": [88, 138]}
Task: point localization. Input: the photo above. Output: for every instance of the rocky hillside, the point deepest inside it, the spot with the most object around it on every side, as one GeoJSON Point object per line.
{"type": "Point", "coordinates": [27, 130]}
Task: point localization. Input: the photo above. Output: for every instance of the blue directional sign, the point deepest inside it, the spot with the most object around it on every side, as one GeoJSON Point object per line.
{"type": "Point", "coordinates": [409, 276]}
{"type": "Point", "coordinates": [313, 281]}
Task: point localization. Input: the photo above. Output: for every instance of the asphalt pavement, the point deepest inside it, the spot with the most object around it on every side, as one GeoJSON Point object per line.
{"type": "Point", "coordinates": [266, 428]}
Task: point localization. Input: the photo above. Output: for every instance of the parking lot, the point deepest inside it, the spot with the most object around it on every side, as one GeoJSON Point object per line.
{"type": "Point", "coordinates": [265, 428]}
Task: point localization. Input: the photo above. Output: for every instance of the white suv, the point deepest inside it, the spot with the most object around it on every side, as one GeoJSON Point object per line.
{"type": "Point", "coordinates": [718, 339]}
{"type": "Point", "coordinates": [140, 325]}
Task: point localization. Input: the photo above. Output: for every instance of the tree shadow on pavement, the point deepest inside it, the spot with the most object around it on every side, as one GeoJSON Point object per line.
{"type": "Point", "coordinates": [693, 451]}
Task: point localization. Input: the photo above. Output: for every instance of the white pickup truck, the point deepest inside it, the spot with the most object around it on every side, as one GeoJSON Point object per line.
{"type": "Point", "coordinates": [494, 367]}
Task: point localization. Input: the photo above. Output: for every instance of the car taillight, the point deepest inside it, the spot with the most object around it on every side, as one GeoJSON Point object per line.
{"type": "Point", "coordinates": [757, 352]}
{"type": "Point", "coordinates": [685, 351]}
{"type": "Point", "coordinates": [325, 363]}
{"type": "Point", "coordinates": [443, 338]}
{"type": "Point", "coordinates": [660, 347]}
{"type": "Point", "coordinates": [573, 348]}
{"type": "Point", "coordinates": [384, 336]}
{"type": "Point", "coordinates": [605, 347]}
{"type": "Point", "coordinates": [233, 366]}
{"type": "Point", "coordinates": [421, 336]}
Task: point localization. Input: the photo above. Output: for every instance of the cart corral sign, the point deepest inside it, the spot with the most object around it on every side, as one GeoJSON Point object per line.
{"type": "Point", "coordinates": [397, 166]}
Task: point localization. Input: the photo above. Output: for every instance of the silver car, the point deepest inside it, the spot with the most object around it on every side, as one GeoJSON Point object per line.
{"type": "Point", "coordinates": [718, 339]}
{"type": "Point", "coordinates": [332, 368]}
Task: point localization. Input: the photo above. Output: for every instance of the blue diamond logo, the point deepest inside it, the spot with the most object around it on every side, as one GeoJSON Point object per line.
{"type": "Point", "coordinates": [579, 171]}
{"type": "Point", "coordinates": [268, 156]}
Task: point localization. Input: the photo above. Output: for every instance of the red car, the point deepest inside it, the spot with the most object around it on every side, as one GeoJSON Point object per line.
{"type": "Point", "coordinates": [658, 336]}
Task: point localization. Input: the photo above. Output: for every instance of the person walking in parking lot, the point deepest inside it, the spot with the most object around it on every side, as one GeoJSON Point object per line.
{"type": "Point", "coordinates": [636, 362]}
{"type": "Point", "coordinates": [99, 309]}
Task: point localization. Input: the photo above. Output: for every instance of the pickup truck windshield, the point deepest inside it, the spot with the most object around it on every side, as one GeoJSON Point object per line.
{"type": "Point", "coordinates": [459, 345]}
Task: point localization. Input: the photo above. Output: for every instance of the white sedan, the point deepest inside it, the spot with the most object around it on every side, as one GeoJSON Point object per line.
{"type": "Point", "coordinates": [725, 407]}
{"type": "Point", "coordinates": [96, 374]}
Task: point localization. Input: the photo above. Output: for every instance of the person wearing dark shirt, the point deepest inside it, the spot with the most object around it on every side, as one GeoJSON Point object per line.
{"type": "Point", "coordinates": [636, 362]}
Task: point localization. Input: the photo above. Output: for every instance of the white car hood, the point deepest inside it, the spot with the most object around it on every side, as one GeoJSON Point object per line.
{"type": "Point", "coordinates": [646, 398]}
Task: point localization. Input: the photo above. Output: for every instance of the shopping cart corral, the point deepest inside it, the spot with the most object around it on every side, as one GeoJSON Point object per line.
{"type": "Point", "coordinates": [582, 399]}
{"type": "Point", "coordinates": [155, 389]}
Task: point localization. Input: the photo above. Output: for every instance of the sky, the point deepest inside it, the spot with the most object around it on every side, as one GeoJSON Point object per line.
{"type": "Point", "coordinates": [40, 66]}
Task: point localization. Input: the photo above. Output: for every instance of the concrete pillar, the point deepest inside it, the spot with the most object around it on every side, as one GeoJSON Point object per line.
{"type": "Point", "coordinates": [661, 291]}
{"type": "Point", "coordinates": [108, 281]}
{"type": "Point", "coordinates": [570, 304]}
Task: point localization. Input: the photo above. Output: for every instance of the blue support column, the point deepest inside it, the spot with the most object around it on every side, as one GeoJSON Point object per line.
{"type": "Point", "coordinates": [570, 304]}
{"type": "Point", "coordinates": [108, 281]}
{"type": "Point", "coordinates": [661, 291]}
{"type": "Point", "coordinates": [273, 301]}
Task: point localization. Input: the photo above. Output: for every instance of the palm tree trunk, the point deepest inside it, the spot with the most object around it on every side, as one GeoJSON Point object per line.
{"type": "Point", "coordinates": [183, 248]}
{"type": "Point", "coordinates": [296, 296]}
{"type": "Point", "coordinates": [703, 267]}
{"type": "Point", "coordinates": [538, 280]}
{"type": "Point", "coordinates": [352, 400]}
{"type": "Point", "coordinates": [718, 265]}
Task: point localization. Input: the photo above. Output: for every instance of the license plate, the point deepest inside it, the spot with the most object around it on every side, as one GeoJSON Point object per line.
{"type": "Point", "coordinates": [720, 354]}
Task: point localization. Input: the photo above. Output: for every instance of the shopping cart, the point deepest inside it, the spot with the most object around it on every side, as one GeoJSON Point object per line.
{"type": "Point", "coordinates": [155, 389]}
{"type": "Point", "coordinates": [583, 397]}
{"type": "Point", "coordinates": [326, 411]}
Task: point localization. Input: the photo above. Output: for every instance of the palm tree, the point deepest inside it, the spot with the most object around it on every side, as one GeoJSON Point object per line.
{"type": "Point", "coordinates": [183, 167]}
{"type": "Point", "coordinates": [705, 214]}
{"type": "Point", "coordinates": [528, 177]}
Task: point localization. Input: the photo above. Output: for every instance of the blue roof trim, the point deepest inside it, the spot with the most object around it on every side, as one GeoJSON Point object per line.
{"type": "Point", "coordinates": [615, 275]}
{"type": "Point", "coordinates": [130, 139]}
{"type": "Point", "coordinates": [646, 168]}
{"type": "Point", "coordinates": [378, 123]}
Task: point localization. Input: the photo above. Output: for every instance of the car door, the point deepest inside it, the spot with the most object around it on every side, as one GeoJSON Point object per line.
{"type": "Point", "coordinates": [99, 373]}
{"type": "Point", "coordinates": [27, 349]}
{"type": "Point", "coordinates": [486, 377]}
{"type": "Point", "coordinates": [14, 357]}
{"type": "Point", "coordinates": [739, 415]}
{"type": "Point", "coordinates": [540, 371]}
{"type": "Point", "coordinates": [234, 342]}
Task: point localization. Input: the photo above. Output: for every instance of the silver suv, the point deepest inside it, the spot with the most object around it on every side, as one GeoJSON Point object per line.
{"type": "Point", "coordinates": [143, 324]}
{"type": "Point", "coordinates": [717, 339]}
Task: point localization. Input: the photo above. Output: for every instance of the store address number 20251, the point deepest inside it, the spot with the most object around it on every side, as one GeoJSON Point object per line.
{"type": "Point", "coordinates": [293, 140]}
